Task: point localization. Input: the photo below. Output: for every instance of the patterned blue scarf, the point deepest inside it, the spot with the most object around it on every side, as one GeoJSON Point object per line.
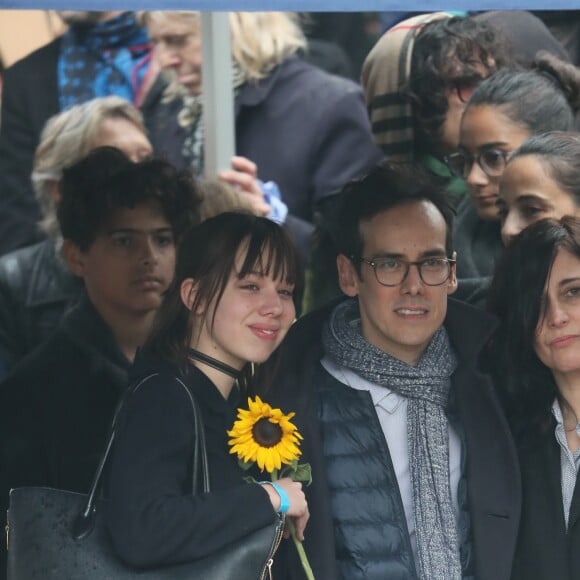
{"type": "Point", "coordinates": [110, 58]}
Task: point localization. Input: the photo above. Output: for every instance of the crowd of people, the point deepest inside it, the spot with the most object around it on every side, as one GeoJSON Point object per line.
{"type": "Point", "coordinates": [394, 261]}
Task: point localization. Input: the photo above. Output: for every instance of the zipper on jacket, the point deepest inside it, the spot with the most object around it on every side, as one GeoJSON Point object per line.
{"type": "Point", "coordinates": [399, 499]}
{"type": "Point", "coordinates": [267, 570]}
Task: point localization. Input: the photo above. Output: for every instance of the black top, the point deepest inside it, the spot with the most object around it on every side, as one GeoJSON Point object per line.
{"type": "Point", "coordinates": [479, 246]}
{"type": "Point", "coordinates": [56, 407]}
{"type": "Point", "coordinates": [36, 290]}
{"type": "Point", "coordinates": [545, 549]}
{"type": "Point", "coordinates": [29, 99]}
{"type": "Point", "coordinates": [153, 518]}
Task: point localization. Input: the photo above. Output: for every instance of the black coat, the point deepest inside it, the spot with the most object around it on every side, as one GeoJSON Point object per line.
{"type": "Point", "coordinates": [545, 551]}
{"type": "Point", "coordinates": [29, 99]}
{"type": "Point", "coordinates": [153, 518]}
{"type": "Point", "coordinates": [57, 404]}
{"type": "Point", "coordinates": [56, 407]}
{"type": "Point", "coordinates": [479, 246]}
{"type": "Point", "coordinates": [36, 289]}
{"type": "Point", "coordinates": [493, 476]}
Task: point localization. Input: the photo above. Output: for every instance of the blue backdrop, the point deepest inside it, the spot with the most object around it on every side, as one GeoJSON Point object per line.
{"type": "Point", "coordinates": [293, 5]}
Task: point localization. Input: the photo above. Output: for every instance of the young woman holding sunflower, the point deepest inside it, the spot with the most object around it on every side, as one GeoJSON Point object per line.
{"type": "Point", "coordinates": [231, 304]}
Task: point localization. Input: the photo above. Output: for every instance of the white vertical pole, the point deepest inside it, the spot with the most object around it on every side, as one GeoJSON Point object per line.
{"type": "Point", "coordinates": [218, 96]}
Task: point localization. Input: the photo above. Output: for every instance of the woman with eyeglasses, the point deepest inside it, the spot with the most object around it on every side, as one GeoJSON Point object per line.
{"type": "Point", "coordinates": [504, 110]}
{"type": "Point", "coordinates": [535, 354]}
{"type": "Point", "coordinates": [541, 180]}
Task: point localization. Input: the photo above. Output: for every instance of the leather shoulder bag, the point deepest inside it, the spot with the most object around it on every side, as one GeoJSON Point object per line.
{"type": "Point", "coordinates": [61, 535]}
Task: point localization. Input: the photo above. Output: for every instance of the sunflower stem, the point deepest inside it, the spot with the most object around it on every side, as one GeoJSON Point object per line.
{"type": "Point", "coordinates": [301, 552]}
{"type": "Point", "coordinates": [299, 547]}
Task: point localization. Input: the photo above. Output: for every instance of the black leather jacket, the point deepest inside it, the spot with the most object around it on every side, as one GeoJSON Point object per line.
{"type": "Point", "coordinates": [36, 289]}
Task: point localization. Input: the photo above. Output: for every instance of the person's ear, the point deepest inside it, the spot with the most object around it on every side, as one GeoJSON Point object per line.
{"type": "Point", "coordinates": [452, 282]}
{"type": "Point", "coordinates": [188, 292]}
{"type": "Point", "coordinates": [74, 258]}
{"type": "Point", "coordinates": [347, 276]}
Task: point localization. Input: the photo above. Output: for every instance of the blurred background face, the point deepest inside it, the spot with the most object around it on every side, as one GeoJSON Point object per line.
{"type": "Point", "coordinates": [527, 194]}
{"type": "Point", "coordinates": [486, 129]}
{"type": "Point", "coordinates": [177, 48]}
{"type": "Point", "coordinates": [126, 136]}
{"type": "Point", "coordinates": [122, 134]}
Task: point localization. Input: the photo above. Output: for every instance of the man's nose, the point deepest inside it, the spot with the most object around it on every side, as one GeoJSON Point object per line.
{"type": "Point", "coordinates": [412, 284]}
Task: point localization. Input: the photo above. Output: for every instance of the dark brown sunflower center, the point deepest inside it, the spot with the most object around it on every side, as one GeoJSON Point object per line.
{"type": "Point", "coordinates": [266, 434]}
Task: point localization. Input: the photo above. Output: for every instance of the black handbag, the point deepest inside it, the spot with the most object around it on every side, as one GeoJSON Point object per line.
{"type": "Point", "coordinates": [60, 535]}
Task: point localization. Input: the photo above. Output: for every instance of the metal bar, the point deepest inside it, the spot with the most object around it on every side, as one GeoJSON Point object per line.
{"type": "Point", "coordinates": [218, 96]}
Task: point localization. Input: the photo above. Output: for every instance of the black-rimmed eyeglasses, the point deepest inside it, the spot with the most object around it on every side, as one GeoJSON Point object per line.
{"type": "Point", "coordinates": [394, 271]}
{"type": "Point", "coordinates": [492, 162]}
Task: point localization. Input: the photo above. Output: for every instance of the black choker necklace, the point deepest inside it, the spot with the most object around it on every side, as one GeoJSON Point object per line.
{"type": "Point", "coordinates": [216, 364]}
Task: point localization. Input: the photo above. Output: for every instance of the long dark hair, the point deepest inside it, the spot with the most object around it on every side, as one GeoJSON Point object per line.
{"type": "Point", "coordinates": [540, 100]}
{"type": "Point", "coordinates": [516, 296]}
{"type": "Point", "coordinates": [207, 254]}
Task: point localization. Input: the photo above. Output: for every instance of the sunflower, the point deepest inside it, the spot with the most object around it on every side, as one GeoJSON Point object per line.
{"type": "Point", "coordinates": [265, 436]}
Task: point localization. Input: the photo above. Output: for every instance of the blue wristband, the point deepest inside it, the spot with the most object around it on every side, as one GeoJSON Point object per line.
{"type": "Point", "coordinates": [284, 499]}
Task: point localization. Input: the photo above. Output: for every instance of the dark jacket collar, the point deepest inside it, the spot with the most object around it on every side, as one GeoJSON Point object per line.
{"type": "Point", "coordinates": [90, 333]}
{"type": "Point", "coordinates": [254, 93]}
{"type": "Point", "coordinates": [469, 328]}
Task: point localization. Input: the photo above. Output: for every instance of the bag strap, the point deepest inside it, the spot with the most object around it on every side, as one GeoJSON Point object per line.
{"type": "Point", "coordinates": [199, 449]}
{"type": "Point", "coordinates": [84, 523]}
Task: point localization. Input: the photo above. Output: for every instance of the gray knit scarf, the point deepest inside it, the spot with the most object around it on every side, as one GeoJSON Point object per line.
{"type": "Point", "coordinates": [427, 388]}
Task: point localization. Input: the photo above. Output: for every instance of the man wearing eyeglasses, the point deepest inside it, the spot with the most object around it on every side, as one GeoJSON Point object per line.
{"type": "Point", "coordinates": [414, 471]}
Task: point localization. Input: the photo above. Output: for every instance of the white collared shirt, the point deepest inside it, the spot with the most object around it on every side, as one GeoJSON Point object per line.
{"type": "Point", "coordinates": [391, 410]}
{"type": "Point", "coordinates": [569, 462]}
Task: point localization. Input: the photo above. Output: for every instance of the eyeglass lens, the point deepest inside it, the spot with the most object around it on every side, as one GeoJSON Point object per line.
{"type": "Point", "coordinates": [491, 161]}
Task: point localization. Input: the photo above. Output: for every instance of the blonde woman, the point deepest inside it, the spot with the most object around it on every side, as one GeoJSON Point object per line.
{"type": "Point", "coordinates": [304, 129]}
